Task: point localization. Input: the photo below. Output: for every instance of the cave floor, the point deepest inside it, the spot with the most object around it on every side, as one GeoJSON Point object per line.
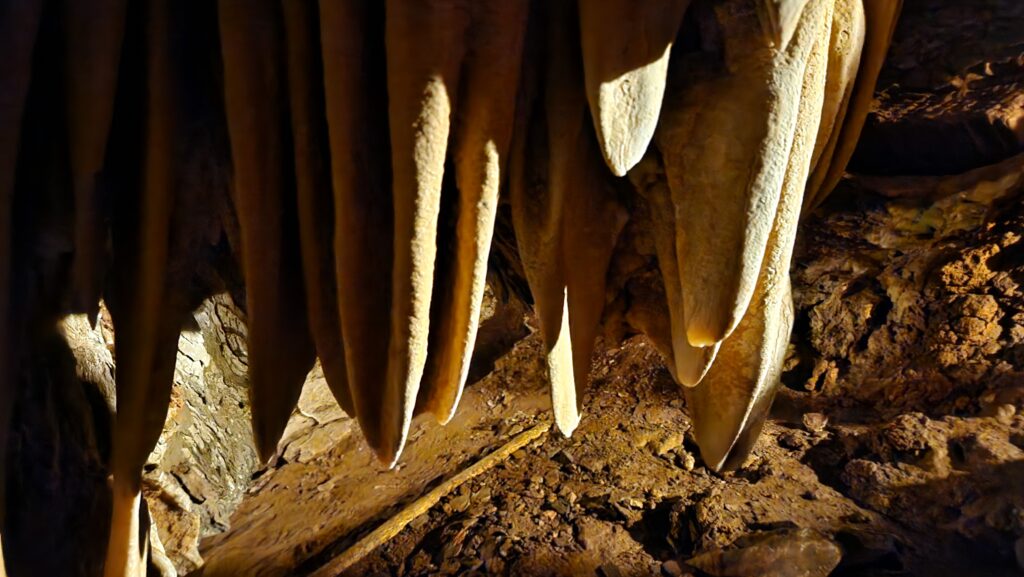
{"type": "Point", "coordinates": [628, 493]}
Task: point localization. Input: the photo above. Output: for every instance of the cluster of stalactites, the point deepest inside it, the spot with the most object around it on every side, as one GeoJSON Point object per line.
{"type": "Point", "coordinates": [369, 142]}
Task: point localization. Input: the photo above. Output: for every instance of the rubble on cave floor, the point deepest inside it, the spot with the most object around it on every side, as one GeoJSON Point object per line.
{"type": "Point", "coordinates": [628, 494]}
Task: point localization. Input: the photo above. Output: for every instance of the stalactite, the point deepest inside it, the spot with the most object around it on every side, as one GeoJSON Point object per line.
{"type": "Point", "coordinates": [845, 48]}
{"type": "Point", "coordinates": [19, 23]}
{"type": "Point", "coordinates": [485, 115]}
{"type": "Point", "coordinates": [881, 17]}
{"type": "Point", "coordinates": [312, 185]}
{"type": "Point", "coordinates": [95, 30]}
{"type": "Point", "coordinates": [626, 46]}
{"type": "Point", "coordinates": [689, 363]}
{"type": "Point", "coordinates": [569, 223]}
{"type": "Point", "coordinates": [725, 141]}
{"type": "Point", "coordinates": [356, 247]}
{"type": "Point", "coordinates": [352, 41]}
{"type": "Point", "coordinates": [280, 347]}
{"type": "Point", "coordinates": [146, 324]}
{"type": "Point", "coordinates": [422, 86]}
{"type": "Point", "coordinates": [731, 403]}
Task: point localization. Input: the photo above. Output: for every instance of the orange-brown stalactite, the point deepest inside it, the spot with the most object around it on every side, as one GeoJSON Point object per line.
{"type": "Point", "coordinates": [626, 46]}
{"type": "Point", "coordinates": [881, 17]}
{"type": "Point", "coordinates": [335, 122]}
{"type": "Point", "coordinates": [845, 49]}
{"type": "Point", "coordinates": [95, 30]}
{"type": "Point", "coordinates": [538, 207]}
{"type": "Point", "coordinates": [567, 226]}
{"type": "Point", "coordinates": [19, 23]}
{"type": "Point", "coordinates": [281, 351]}
{"type": "Point", "coordinates": [145, 305]}
{"type": "Point", "coordinates": [483, 129]}
{"type": "Point", "coordinates": [425, 44]}
{"type": "Point", "coordinates": [731, 404]}
{"type": "Point", "coordinates": [725, 140]}
{"type": "Point", "coordinates": [352, 42]}
{"type": "Point", "coordinates": [313, 187]}
{"type": "Point", "coordinates": [592, 221]}
{"type": "Point", "coordinates": [689, 364]}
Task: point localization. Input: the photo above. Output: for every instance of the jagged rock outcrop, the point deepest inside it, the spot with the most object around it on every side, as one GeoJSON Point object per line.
{"type": "Point", "coordinates": [919, 288]}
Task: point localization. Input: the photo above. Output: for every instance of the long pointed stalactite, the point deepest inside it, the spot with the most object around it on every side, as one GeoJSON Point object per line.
{"type": "Point", "coordinates": [738, 389]}
{"type": "Point", "coordinates": [422, 92]}
{"type": "Point", "coordinates": [537, 210]}
{"type": "Point", "coordinates": [315, 203]}
{"type": "Point", "coordinates": [149, 293]}
{"type": "Point", "coordinates": [281, 349]}
{"type": "Point", "coordinates": [371, 146]}
{"type": "Point", "coordinates": [95, 30]}
{"type": "Point", "coordinates": [483, 131]}
{"type": "Point", "coordinates": [355, 85]}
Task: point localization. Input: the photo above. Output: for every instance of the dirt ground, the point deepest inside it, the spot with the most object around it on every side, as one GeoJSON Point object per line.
{"type": "Point", "coordinates": [628, 495]}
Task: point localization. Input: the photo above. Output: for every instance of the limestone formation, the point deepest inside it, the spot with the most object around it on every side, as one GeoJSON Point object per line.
{"type": "Point", "coordinates": [312, 187]}
{"type": "Point", "coordinates": [94, 37]}
{"type": "Point", "coordinates": [143, 301]}
{"type": "Point", "coordinates": [372, 148]}
{"type": "Point", "coordinates": [689, 364]}
{"type": "Point", "coordinates": [19, 23]}
{"type": "Point", "coordinates": [726, 188]}
{"type": "Point", "coordinates": [880, 24]}
{"type": "Point", "coordinates": [730, 405]}
{"type": "Point", "coordinates": [281, 350]}
{"type": "Point", "coordinates": [626, 47]}
{"type": "Point", "coordinates": [355, 86]}
{"type": "Point", "coordinates": [485, 116]}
